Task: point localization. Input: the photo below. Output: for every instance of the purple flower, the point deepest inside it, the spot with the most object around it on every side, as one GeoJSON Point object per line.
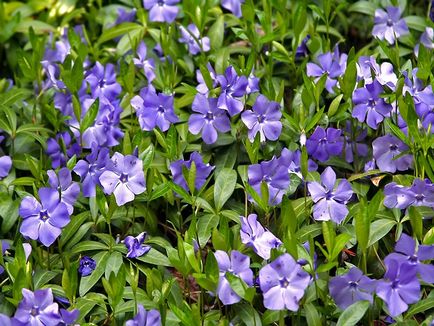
{"type": "Point", "coordinates": [406, 252]}
{"type": "Point", "coordinates": [431, 11]}
{"type": "Point", "coordinates": [388, 25]}
{"type": "Point", "coordinates": [38, 308]}
{"type": "Point", "coordinates": [426, 39]}
{"type": "Point", "coordinates": [238, 265]}
{"type": "Point", "coordinates": [161, 10]}
{"type": "Point", "coordinates": [43, 220]}
{"type": "Point", "coordinates": [351, 287]}
{"type": "Point", "coordinates": [147, 65]}
{"type": "Point", "coordinates": [68, 190]}
{"type": "Point", "coordinates": [202, 171]}
{"type": "Point", "coordinates": [105, 132]}
{"type": "Point", "coordinates": [91, 169]}
{"type": "Point", "coordinates": [124, 177]}
{"type": "Point", "coordinates": [191, 37]}
{"type": "Point", "coordinates": [102, 81]}
{"type": "Point", "coordinates": [329, 64]}
{"type": "Point", "coordinates": [145, 318]}
{"type": "Point", "coordinates": [135, 245]}
{"type": "Point", "coordinates": [401, 287]}
{"type": "Point", "coordinates": [209, 119]}
{"type": "Point", "coordinates": [385, 149]}
{"type": "Point", "coordinates": [302, 50]}
{"type": "Point", "coordinates": [125, 16]}
{"type": "Point", "coordinates": [254, 235]}
{"type": "Point", "coordinates": [55, 152]}
{"type": "Point", "coordinates": [232, 88]}
{"type": "Point", "coordinates": [87, 266]}
{"type": "Point", "coordinates": [274, 175]}
{"type": "Point", "coordinates": [283, 283]}
{"type": "Point", "coordinates": [69, 317]}
{"type": "Point", "coordinates": [423, 98]}
{"type": "Point", "coordinates": [234, 6]}
{"type": "Point", "coordinates": [4, 247]}
{"type": "Point", "coordinates": [357, 147]}
{"type": "Point", "coordinates": [324, 143]}
{"type": "Point", "coordinates": [369, 106]}
{"type": "Point", "coordinates": [292, 160]}
{"type": "Point", "coordinates": [5, 166]}
{"type": "Point", "coordinates": [154, 109]}
{"type": "Point", "coordinates": [252, 84]}
{"type": "Point", "coordinates": [263, 118]}
{"type": "Point", "coordinates": [330, 199]}
{"type": "Point", "coordinates": [384, 74]}
{"type": "Point", "coordinates": [421, 193]}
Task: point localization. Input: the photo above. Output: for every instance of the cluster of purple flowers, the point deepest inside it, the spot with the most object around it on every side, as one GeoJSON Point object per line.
{"type": "Point", "coordinates": [39, 308]}
{"type": "Point", "coordinates": [400, 286]}
{"type": "Point", "coordinates": [421, 193]}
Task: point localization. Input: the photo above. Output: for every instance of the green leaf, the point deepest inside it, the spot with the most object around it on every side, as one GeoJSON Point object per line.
{"type": "Point", "coordinates": [248, 314]}
{"type": "Point", "coordinates": [334, 105]}
{"type": "Point", "coordinates": [216, 34]}
{"type": "Point", "coordinates": [362, 225]}
{"type": "Point", "coordinates": [89, 117]}
{"type": "Point", "coordinates": [353, 314]}
{"type": "Point", "coordinates": [88, 246]}
{"type": "Point", "coordinates": [72, 227]}
{"type": "Point", "coordinates": [363, 7]}
{"type": "Point", "coordinates": [416, 221]}
{"type": "Point", "coordinates": [379, 229]}
{"type": "Point", "coordinates": [154, 257]}
{"type": "Point", "coordinates": [113, 264]}
{"type": "Point", "coordinates": [224, 187]}
{"type": "Point", "coordinates": [312, 230]}
{"type": "Point", "coordinates": [312, 316]}
{"type": "Point", "coordinates": [205, 224]}
{"type": "Point", "coordinates": [420, 307]}
{"type": "Point", "coordinates": [117, 31]}
{"type": "Point", "coordinates": [87, 282]}
{"type": "Point", "coordinates": [8, 211]}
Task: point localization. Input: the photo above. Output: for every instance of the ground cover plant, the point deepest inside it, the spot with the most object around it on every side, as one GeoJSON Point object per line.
{"type": "Point", "coordinates": [206, 162]}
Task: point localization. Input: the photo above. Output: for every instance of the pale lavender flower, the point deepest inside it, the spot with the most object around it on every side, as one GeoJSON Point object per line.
{"type": "Point", "coordinates": [234, 6]}
{"type": "Point", "coordinates": [283, 283]}
{"type": "Point", "coordinates": [232, 88]}
{"type": "Point", "coordinates": [302, 50]}
{"type": "Point", "coordinates": [400, 288]}
{"type": "Point", "coordinates": [37, 308]}
{"type": "Point", "coordinates": [421, 193]}
{"type": "Point", "coordinates": [124, 178]}
{"type": "Point", "coordinates": [426, 39]}
{"type": "Point", "coordinates": [406, 252]}
{"type": "Point", "coordinates": [69, 317]}
{"type": "Point", "coordinates": [324, 143]}
{"type": "Point", "coordinates": [385, 149]}
{"type": "Point", "coordinates": [369, 106]}
{"type": "Point", "coordinates": [254, 235]}
{"type": "Point", "coordinates": [154, 110]}
{"type": "Point", "coordinates": [5, 166]}
{"type": "Point", "coordinates": [238, 265]}
{"type": "Point", "coordinates": [264, 118]}
{"type": "Point", "coordinates": [62, 182]}
{"type": "Point", "coordinates": [209, 119]}
{"type": "Point", "coordinates": [125, 16]}
{"type": "Point", "coordinates": [44, 220]}
{"type": "Point", "coordinates": [351, 287]}
{"type": "Point", "coordinates": [141, 62]}
{"type": "Point", "coordinates": [135, 245]}
{"type": "Point", "coordinates": [55, 152]}
{"type": "Point", "coordinates": [330, 199]}
{"type": "Point", "coordinates": [145, 318]}
{"type": "Point", "coordinates": [252, 84]}
{"type": "Point", "coordinates": [384, 74]}
{"type": "Point", "coordinates": [191, 37]}
{"type": "Point", "coordinates": [161, 10]}
{"type": "Point", "coordinates": [389, 25]}
{"type": "Point", "coordinates": [202, 171]}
